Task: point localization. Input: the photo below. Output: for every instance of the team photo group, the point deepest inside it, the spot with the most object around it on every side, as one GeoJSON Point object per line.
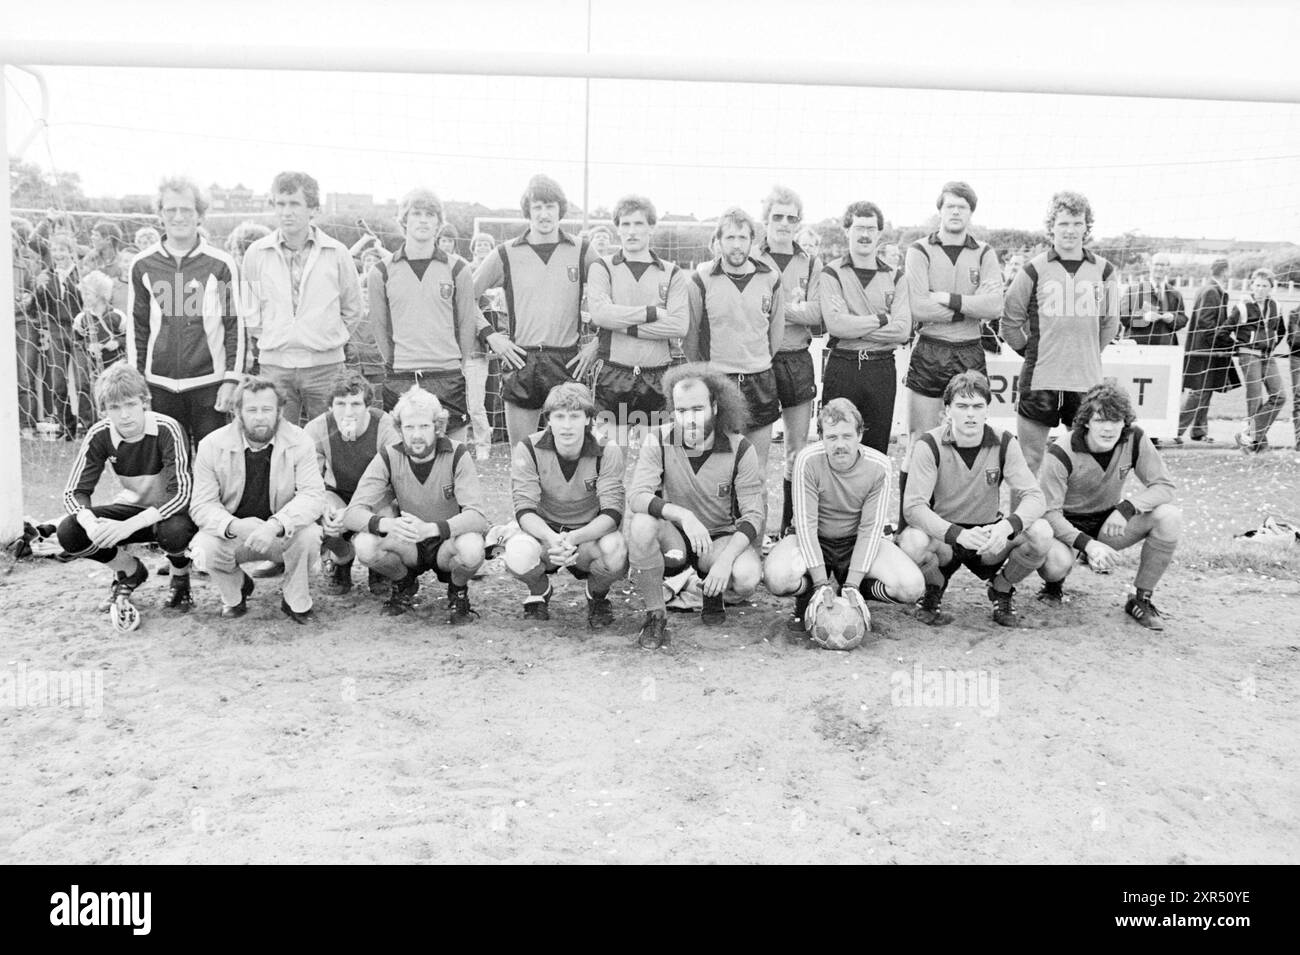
{"type": "Point", "coordinates": [640, 399]}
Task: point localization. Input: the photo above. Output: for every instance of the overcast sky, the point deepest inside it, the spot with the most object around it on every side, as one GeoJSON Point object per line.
{"type": "Point", "coordinates": [1163, 166]}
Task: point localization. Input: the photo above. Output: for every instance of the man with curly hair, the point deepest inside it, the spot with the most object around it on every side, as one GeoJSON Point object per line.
{"type": "Point", "coordinates": [696, 498]}
{"type": "Point", "coordinates": [1061, 311]}
{"type": "Point", "coordinates": [1082, 478]}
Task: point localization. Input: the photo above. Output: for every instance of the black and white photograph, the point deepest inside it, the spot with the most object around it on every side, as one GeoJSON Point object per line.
{"type": "Point", "coordinates": [586, 433]}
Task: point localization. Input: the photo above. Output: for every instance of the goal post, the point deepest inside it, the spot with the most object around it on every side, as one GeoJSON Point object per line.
{"type": "Point", "coordinates": [11, 459]}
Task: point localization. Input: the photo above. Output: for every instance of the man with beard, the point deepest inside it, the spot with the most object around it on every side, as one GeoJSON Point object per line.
{"type": "Point", "coordinates": [841, 493]}
{"type": "Point", "coordinates": [257, 494]}
{"type": "Point", "coordinates": [952, 505]}
{"type": "Point", "coordinates": [568, 499]}
{"type": "Point", "coordinates": [954, 284]}
{"type": "Point", "coordinates": [737, 309]}
{"type": "Point", "coordinates": [1083, 477]}
{"type": "Point", "coordinates": [432, 484]}
{"type": "Point", "coordinates": [796, 377]}
{"type": "Point", "coordinates": [542, 272]}
{"type": "Point", "coordinates": [866, 310]}
{"type": "Point", "coordinates": [149, 453]}
{"type": "Point", "coordinates": [346, 438]}
{"type": "Point", "coordinates": [638, 305]}
{"type": "Point", "coordinates": [424, 313]}
{"type": "Point", "coordinates": [696, 499]}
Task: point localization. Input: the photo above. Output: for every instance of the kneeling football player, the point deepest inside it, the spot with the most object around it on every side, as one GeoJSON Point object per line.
{"type": "Point", "coordinates": [568, 498]}
{"type": "Point", "coordinates": [347, 437]}
{"type": "Point", "coordinates": [840, 495]}
{"type": "Point", "coordinates": [432, 482]}
{"type": "Point", "coordinates": [1082, 477]}
{"type": "Point", "coordinates": [696, 498]}
{"type": "Point", "coordinates": [150, 455]}
{"type": "Point", "coordinates": [955, 475]}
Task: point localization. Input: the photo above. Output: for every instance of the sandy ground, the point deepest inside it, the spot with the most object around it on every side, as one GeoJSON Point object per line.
{"type": "Point", "coordinates": [361, 739]}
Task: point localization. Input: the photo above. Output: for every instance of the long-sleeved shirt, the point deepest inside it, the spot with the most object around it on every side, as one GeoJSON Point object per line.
{"type": "Point", "coordinates": [572, 493]}
{"type": "Point", "coordinates": [1258, 325]}
{"type": "Point", "coordinates": [800, 278]}
{"type": "Point", "coordinates": [543, 288]}
{"type": "Point", "coordinates": [423, 322]}
{"type": "Point", "coordinates": [721, 485]}
{"type": "Point", "coordinates": [153, 471]}
{"type": "Point", "coordinates": [297, 490]}
{"type": "Point", "coordinates": [970, 275]}
{"type": "Point", "coordinates": [342, 462]}
{"type": "Point", "coordinates": [1145, 297]}
{"type": "Point", "coordinates": [1059, 315]}
{"type": "Point", "coordinates": [449, 495]}
{"type": "Point", "coordinates": [1075, 481]}
{"type": "Point", "coordinates": [944, 494]}
{"type": "Point", "coordinates": [311, 327]}
{"type": "Point", "coordinates": [832, 504]}
{"type": "Point", "coordinates": [865, 309]}
{"type": "Point", "coordinates": [635, 317]}
{"type": "Point", "coordinates": [737, 322]}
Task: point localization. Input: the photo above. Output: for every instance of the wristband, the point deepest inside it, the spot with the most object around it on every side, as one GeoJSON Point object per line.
{"type": "Point", "coordinates": [1127, 509]}
{"type": "Point", "coordinates": [373, 524]}
{"type": "Point", "coordinates": [444, 530]}
{"type": "Point", "coordinates": [952, 533]}
{"type": "Point", "coordinates": [1017, 524]}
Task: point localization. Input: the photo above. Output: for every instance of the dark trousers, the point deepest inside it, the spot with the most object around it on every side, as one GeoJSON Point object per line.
{"type": "Point", "coordinates": [871, 384]}
{"type": "Point", "coordinates": [1196, 412]}
{"type": "Point", "coordinates": [193, 409]}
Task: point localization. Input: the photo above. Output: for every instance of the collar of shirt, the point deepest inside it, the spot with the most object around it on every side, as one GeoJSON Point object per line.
{"type": "Point", "coordinates": [280, 243]}
{"type": "Point", "coordinates": [590, 447]}
{"type": "Point", "coordinates": [150, 428]}
{"type": "Point", "coordinates": [563, 237]}
{"type": "Point", "coordinates": [988, 440]}
{"type": "Point", "coordinates": [198, 241]}
{"type": "Point", "coordinates": [970, 243]}
{"type": "Point", "coordinates": [766, 249]}
{"type": "Point", "coordinates": [719, 270]}
{"type": "Point", "coordinates": [1087, 256]}
{"type": "Point", "coordinates": [619, 258]}
{"type": "Point", "coordinates": [721, 441]}
{"type": "Point", "coordinates": [438, 255]}
{"type": "Point", "coordinates": [847, 263]}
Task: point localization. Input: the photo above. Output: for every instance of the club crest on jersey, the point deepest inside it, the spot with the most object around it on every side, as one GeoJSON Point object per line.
{"type": "Point", "coordinates": [767, 304]}
{"type": "Point", "coordinates": [663, 292]}
{"type": "Point", "coordinates": [992, 476]}
{"type": "Point", "coordinates": [448, 491]}
{"type": "Point", "coordinates": [573, 273]}
{"type": "Point", "coordinates": [444, 289]}
{"type": "Point", "coordinates": [974, 275]}
{"type": "Point", "coordinates": [724, 488]}
{"type": "Point", "coordinates": [591, 484]}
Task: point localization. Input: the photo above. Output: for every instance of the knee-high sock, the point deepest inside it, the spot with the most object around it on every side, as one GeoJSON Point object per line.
{"type": "Point", "coordinates": [536, 580]}
{"type": "Point", "coordinates": [787, 506]}
{"type": "Point", "coordinates": [875, 590]}
{"type": "Point", "coordinates": [649, 582]}
{"type": "Point", "coordinates": [1156, 555]}
{"type": "Point", "coordinates": [902, 491]}
{"type": "Point", "coordinates": [1018, 567]}
{"type": "Point", "coordinates": [601, 579]}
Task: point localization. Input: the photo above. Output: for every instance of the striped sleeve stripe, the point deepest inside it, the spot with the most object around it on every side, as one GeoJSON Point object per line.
{"type": "Point", "coordinates": [70, 503]}
{"type": "Point", "coordinates": [882, 507]}
{"type": "Point", "coordinates": [809, 548]}
{"type": "Point", "coordinates": [184, 479]}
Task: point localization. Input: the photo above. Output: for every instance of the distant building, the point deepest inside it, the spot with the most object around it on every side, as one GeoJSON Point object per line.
{"type": "Point", "coordinates": [236, 199]}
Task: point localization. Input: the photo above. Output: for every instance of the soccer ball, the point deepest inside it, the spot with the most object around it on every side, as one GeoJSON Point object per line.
{"type": "Point", "coordinates": [839, 626]}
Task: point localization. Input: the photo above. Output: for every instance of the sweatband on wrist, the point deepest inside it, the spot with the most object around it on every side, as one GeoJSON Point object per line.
{"type": "Point", "coordinates": [373, 524]}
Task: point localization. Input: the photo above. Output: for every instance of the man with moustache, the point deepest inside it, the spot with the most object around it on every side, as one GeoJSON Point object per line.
{"type": "Point", "coordinates": [149, 454]}
{"type": "Point", "coordinates": [186, 331]}
{"type": "Point", "coordinates": [542, 272]}
{"type": "Point", "coordinates": [1083, 478]}
{"type": "Point", "coordinates": [796, 377]}
{"type": "Point", "coordinates": [346, 439]}
{"type": "Point", "coordinates": [257, 494]}
{"type": "Point", "coordinates": [568, 499]}
{"type": "Point", "coordinates": [737, 324]}
{"type": "Point", "coordinates": [424, 313]}
{"type": "Point", "coordinates": [638, 304]}
{"type": "Point", "coordinates": [302, 294]}
{"type": "Point", "coordinates": [952, 505]}
{"type": "Point", "coordinates": [841, 493]}
{"type": "Point", "coordinates": [867, 313]}
{"type": "Point", "coordinates": [954, 285]}
{"type": "Point", "coordinates": [696, 499]}
{"type": "Point", "coordinates": [431, 483]}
